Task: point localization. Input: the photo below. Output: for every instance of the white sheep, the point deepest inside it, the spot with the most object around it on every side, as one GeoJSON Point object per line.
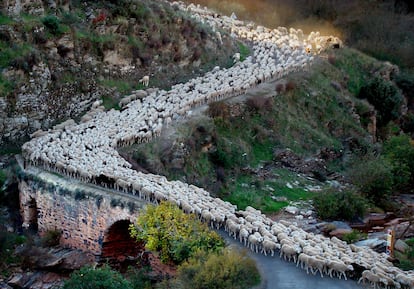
{"type": "Point", "coordinates": [144, 80]}
{"type": "Point", "coordinates": [339, 268]}
{"type": "Point", "coordinates": [269, 245]}
{"type": "Point", "coordinates": [371, 277]}
{"type": "Point", "coordinates": [288, 252]}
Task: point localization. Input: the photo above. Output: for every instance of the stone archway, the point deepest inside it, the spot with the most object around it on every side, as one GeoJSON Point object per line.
{"type": "Point", "coordinates": [118, 248]}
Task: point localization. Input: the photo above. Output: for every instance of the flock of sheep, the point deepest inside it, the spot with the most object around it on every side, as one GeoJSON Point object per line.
{"type": "Point", "coordinates": [87, 151]}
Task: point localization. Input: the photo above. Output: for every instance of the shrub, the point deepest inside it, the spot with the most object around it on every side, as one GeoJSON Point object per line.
{"type": "Point", "coordinates": [385, 97]}
{"type": "Point", "coordinates": [226, 270]}
{"type": "Point", "coordinates": [347, 205]}
{"type": "Point", "coordinates": [52, 23]}
{"type": "Point", "coordinates": [399, 150]}
{"type": "Point", "coordinates": [219, 109]}
{"type": "Point", "coordinates": [259, 104]}
{"type": "Point", "coordinates": [405, 81]}
{"type": "Point", "coordinates": [8, 242]}
{"type": "Point", "coordinates": [51, 238]}
{"type": "Point", "coordinates": [244, 51]}
{"type": "Point", "coordinates": [354, 236]}
{"type": "Point", "coordinates": [176, 235]}
{"type": "Point", "coordinates": [373, 176]}
{"type": "Point", "coordinates": [290, 85]}
{"type": "Point", "coordinates": [91, 278]}
{"type": "Point", "coordinates": [280, 87]}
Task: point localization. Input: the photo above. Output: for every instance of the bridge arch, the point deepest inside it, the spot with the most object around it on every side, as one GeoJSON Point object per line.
{"type": "Point", "coordinates": [119, 247]}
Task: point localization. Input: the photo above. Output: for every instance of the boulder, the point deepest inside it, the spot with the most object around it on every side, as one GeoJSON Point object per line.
{"type": "Point", "coordinates": [292, 210]}
{"type": "Point", "coordinates": [401, 246]}
{"type": "Point", "coordinates": [339, 233]}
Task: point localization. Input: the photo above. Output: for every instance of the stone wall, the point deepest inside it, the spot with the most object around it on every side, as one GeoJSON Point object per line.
{"type": "Point", "coordinates": [82, 213]}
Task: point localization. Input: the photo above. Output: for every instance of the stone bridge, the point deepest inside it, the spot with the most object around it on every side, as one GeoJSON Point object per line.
{"type": "Point", "coordinates": [90, 218]}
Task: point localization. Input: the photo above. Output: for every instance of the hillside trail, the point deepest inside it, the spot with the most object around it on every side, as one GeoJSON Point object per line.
{"type": "Point", "coordinates": [275, 272]}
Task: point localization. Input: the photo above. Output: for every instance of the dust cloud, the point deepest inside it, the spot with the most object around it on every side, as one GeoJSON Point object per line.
{"type": "Point", "coordinates": [273, 13]}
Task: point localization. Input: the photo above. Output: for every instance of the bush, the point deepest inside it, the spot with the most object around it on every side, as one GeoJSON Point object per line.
{"type": "Point", "coordinates": [226, 270]}
{"type": "Point", "coordinates": [51, 238]}
{"type": "Point", "coordinates": [385, 97]}
{"type": "Point", "coordinates": [90, 278]}
{"type": "Point", "coordinates": [399, 150]}
{"type": "Point", "coordinates": [176, 235]}
{"type": "Point", "coordinates": [374, 178]}
{"type": "Point", "coordinates": [8, 242]}
{"type": "Point", "coordinates": [219, 109]}
{"type": "Point", "coordinates": [52, 23]}
{"type": "Point", "coordinates": [259, 104]}
{"type": "Point", "coordinates": [354, 236]}
{"type": "Point", "coordinates": [347, 205]}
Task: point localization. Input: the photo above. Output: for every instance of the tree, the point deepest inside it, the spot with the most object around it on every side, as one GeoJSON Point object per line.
{"type": "Point", "coordinates": [91, 278]}
{"type": "Point", "coordinates": [385, 97]}
{"type": "Point", "coordinates": [399, 150]}
{"type": "Point", "coordinates": [176, 235]}
{"type": "Point", "coordinates": [374, 178]}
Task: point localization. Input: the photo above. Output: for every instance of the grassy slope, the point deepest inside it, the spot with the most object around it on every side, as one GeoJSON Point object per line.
{"type": "Point", "coordinates": [310, 116]}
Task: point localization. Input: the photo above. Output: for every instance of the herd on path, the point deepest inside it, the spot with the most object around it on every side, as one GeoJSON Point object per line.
{"type": "Point", "coordinates": [87, 151]}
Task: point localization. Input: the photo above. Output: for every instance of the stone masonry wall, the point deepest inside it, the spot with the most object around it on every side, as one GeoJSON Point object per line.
{"type": "Point", "coordinates": [82, 213]}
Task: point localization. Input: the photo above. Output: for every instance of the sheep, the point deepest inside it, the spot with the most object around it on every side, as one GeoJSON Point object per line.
{"type": "Point", "coordinates": [316, 264]}
{"type": "Point", "coordinates": [232, 228]}
{"type": "Point", "coordinates": [371, 277]}
{"type": "Point", "coordinates": [269, 245]}
{"type": "Point", "coordinates": [236, 57]}
{"type": "Point", "coordinates": [288, 252]}
{"type": "Point", "coordinates": [144, 80]}
{"type": "Point", "coordinates": [243, 235]}
{"type": "Point", "coordinates": [254, 241]}
{"type": "Point", "coordinates": [340, 268]}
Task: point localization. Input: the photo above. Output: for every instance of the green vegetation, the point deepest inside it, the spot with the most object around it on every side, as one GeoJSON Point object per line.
{"type": "Point", "coordinates": [244, 51]}
{"type": "Point", "coordinates": [373, 176]}
{"type": "Point", "coordinates": [269, 195]}
{"type": "Point", "coordinates": [355, 64]}
{"type": "Point", "coordinates": [354, 236]}
{"type": "Point", "coordinates": [5, 20]}
{"type": "Point", "coordinates": [385, 97]}
{"type": "Point", "coordinates": [406, 259]}
{"type": "Point", "coordinates": [344, 205]}
{"type": "Point", "coordinates": [177, 236]}
{"type": "Point", "coordinates": [3, 178]}
{"type": "Point", "coordinates": [51, 238]}
{"type": "Point", "coordinates": [54, 25]}
{"type": "Point", "coordinates": [399, 150]}
{"type": "Point", "coordinates": [8, 242]}
{"type": "Point", "coordinates": [91, 278]}
{"type": "Point", "coordinates": [10, 53]}
{"type": "Point", "coordinates": [228, 269]}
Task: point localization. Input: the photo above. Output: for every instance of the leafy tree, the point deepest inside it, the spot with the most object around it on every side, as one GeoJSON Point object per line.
{"type": "Point", "coordinates": [399, 150]}
{"type": "Point", "coordinates": [228, 269]}
{"type": "Point", "coordinates": [176, 235]}
{"type": "Point", "coordinates": [343, 205]}
{"type": "Point", "coordinates": [385, 97]}
{"type": "Point", "coordinates": [374, 177]}
{"type": "Point", "coordinates": [91, 278]}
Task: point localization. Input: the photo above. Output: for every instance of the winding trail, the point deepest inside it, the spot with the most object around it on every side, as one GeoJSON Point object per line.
{"type": "Point", "coordinates": [87, 151]}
